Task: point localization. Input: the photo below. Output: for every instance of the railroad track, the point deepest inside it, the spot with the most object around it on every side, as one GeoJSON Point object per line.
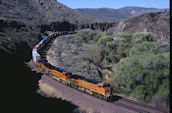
{"type": "Point", "coordinates": [137, 106]}
{"type": "Point", "coordinates": [130, 107]}
{"type": "Point", "coordinates": [144, 105]}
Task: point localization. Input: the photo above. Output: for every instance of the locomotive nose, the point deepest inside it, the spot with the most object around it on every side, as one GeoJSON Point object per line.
{"type": "Point", "coordinates": [108, 90]}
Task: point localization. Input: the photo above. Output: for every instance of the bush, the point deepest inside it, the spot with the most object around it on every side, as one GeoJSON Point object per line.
{"type": "Point", "coordinates": [103, 40]}
{"type": "Point", "coordinates": [150, 47]}
{"type": "Point", "coordinates": [150, 70]}
{"type": "Point", "coordinates": [98, 35]}
{"type": "Point", "coordinates": [86, 35]}
{"type": "Point", "coordinates": [139, 92]}
{"type": "Point", "coordinates": [161, 102]}
{"type": "Point", "coordinates": [110, 32]}
{"type": "Point", "coordinates": [141, 64]}
{"type": "Point", "coordinates": [95, 55]}
{"type": "Point", "coordinates": [114, 49]}
{"type": "Point", "coordinates": [140, 37]}
{"type": "Point", "coordinates": [163, 88]}
{"type": "Point", "coordinates": [126, 36]}
{"type": "Point", "coordinates": [117, 49]}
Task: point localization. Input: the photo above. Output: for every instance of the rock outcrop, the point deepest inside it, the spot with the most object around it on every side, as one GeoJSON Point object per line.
{"type": "Point", "coordinates": [156, 22]}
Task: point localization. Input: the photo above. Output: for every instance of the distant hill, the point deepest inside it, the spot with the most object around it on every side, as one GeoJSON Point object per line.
{"type": "Point", "coordinates": [117, 14]}
{"type": "Point", "coordinates": [155, 22]}
{"type": "Point", "coordinates": [41, 11]}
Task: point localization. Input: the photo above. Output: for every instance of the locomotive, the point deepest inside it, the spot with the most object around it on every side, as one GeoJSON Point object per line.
{"type": "Point", "coordinates": [90, 86]}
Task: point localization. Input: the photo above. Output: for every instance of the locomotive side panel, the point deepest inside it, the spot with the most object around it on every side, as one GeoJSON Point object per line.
{"type": "Point", "coordinates": [58, 74]}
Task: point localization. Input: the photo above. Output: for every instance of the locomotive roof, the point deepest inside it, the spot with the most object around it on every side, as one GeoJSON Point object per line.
{"type": "Point", "coordinates": [72, 76]}
{"type": "Point", "coordinates": [45, 63]}
{"type": "Point", "coordinates": [58, 69]}
{"type": "Point", "coordinates": [85, 79]}
{"type": "Point", "coordinates": [50, 66]}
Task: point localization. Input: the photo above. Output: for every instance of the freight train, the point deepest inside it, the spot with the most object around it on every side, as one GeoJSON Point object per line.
{"type": "Point", "coordinates": [96, 88]}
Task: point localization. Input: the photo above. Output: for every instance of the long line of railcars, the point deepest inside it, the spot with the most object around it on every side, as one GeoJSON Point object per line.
{"type": "Point", "coordinates": [92, 87]}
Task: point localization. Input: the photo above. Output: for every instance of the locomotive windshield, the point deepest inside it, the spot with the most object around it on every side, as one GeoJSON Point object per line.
{"type": "Point", "coordinates": [68, 74]}
{"type": "Point", "coordinates": [106, 86]}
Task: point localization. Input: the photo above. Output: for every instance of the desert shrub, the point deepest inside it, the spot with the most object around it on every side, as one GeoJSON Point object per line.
{"type": "Point", "coordinates": [161, 98]}
{"type": "Point", "coordinates": [126, 36]}
{"type": "Point", "coordinates": [110, 32]}
{"type": "Point", "coordinates": [98, 35]}
{"type": "Point", "coordinates": [86, 35]}
{"type": "Point", "coordinates": [114, 49]}
{"type": "Point", "coordinates": [117, 49]}
{"type": "Point", "coordinates": [115, 43]}
{"type": "Point", "coordinates": [141, 64]}
{"type": "Point", "coordinates": [103, 40]}
{"type": "Point", "coordinates": [125, 45]}
{"type": "Point", "coordinates": [95, 55]}
{"type": "Point", "coordinates": [140, 37]}
{"type": "Point", "coordinates": [150, 47]}
{"type": "Point", "coordinates": [139, 92]}
{"type": "Point", "coordinates": [144, 75]}
{"type": "Point", "coordinates": [163, 88]}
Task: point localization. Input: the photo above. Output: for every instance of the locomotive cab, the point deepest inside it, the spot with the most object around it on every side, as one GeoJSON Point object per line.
{"type": "Point", "coordinates": [104, 85]}
{"type": "Point", "coordinates": [68, 74]}
{"type": "Point", "coordinates": [100, 85]}
{"type": "Point", "coordinates": [106, 88]}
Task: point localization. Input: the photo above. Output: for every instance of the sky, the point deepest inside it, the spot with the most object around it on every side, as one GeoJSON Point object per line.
{"type": "Point", "coordinates": [115, 3]}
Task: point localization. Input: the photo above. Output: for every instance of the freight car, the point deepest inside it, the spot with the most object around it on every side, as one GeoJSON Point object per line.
{"type": "Point", "coordinates": [92, 87]}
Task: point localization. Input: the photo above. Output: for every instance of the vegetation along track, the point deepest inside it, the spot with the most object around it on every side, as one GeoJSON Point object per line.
{"type": "Point", "coordinates": [117, 100]}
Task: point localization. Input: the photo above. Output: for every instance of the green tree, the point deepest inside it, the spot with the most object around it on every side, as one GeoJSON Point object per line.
{"type": "Point", "coordinates": [103, 40]}
{"type": "Point", "coordinates": [140, 37]}
{"type": "Point", "coordinates": [139, 92]}
{"type": "Point", "coordinates": [146, 69]}
{"type": "Point", "coordinates": [150, 47]}
{"type": "Point", "coordinates": [85, 35]}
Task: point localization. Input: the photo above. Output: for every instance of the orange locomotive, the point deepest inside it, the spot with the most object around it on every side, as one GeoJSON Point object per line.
{"type": "Point", "coordinates": [89, 86]}
{"type": "Point", "coordinates": [92, 87]}
{"type": "Point", "coordinates": [60, 73]}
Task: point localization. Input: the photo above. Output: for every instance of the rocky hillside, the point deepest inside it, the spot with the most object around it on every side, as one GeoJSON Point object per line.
{"type": "Point", "coordinates": [25, 20]}
{"type": "Point", "coordinates": [41, 11]}
{"type": "Point", "coordinates": [117, 14]}
{"type": "Point", "coordinates": [156, 22]}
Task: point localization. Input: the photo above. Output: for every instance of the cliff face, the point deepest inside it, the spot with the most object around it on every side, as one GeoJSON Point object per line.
{"type": "Point", "coordinates": [157, 23]}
